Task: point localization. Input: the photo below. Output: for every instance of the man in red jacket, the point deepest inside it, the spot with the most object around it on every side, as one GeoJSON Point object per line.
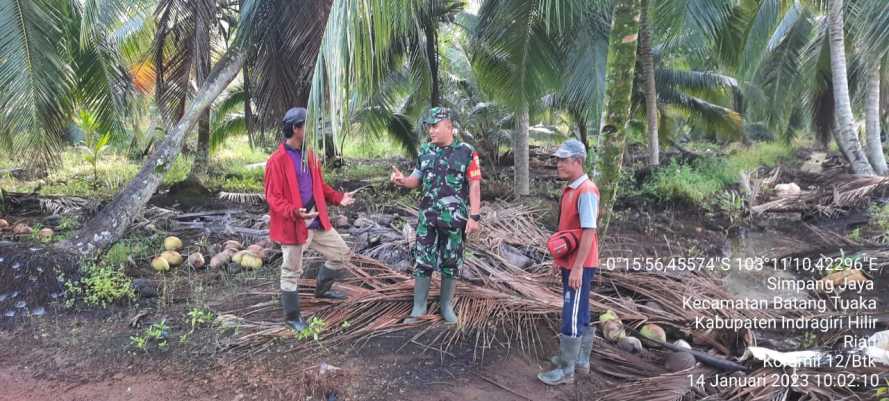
{"type": "Point", "coordinates": [298, 196]}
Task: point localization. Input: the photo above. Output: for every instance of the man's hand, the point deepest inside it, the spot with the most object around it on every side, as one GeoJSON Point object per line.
{"type": "Point", "coordinates": [302, 214]}
{"type": "Point", "coordinates": [575, 278]}
{"type": "Point", "coordinates": [348, 199]}
{"type": "Point", "coordinates": [397, 177]}
{"type": "Point", "coordinates": [472, 226]}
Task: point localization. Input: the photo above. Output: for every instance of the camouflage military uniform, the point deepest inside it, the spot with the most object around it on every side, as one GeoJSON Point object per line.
{"type": "Point", "coordinates": [444, 173]}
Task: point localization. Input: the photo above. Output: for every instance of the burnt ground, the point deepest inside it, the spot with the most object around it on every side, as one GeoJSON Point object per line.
{"type": "Point", "coordinates": [85, 353]}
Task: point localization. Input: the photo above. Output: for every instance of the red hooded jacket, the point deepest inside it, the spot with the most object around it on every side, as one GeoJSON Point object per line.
{"type": "Point", "coordinates": [282, 195]}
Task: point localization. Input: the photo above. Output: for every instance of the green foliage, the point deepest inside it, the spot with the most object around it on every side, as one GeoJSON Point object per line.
{"type": "Point", "coordinates": [706, 176]}
{"type": "Point", "coordinates": [100, 285]}
{"type": "Point", "coordinates": [156, 334]}
{"type": "Point", "coordinates": [313, 331]}
{"type": "Point", "coordinates": [693, 183]}
{"type": "Point", "coordinates": [884, 390]}
{"type": "Point", "coordinates": [121, 252]}
{"type": "Point", "coordinates": [879, 216]}
{"type": "Point", "coordinates": [95, 143]}
{"type": "Point", "coordinates": [197, 317]}
{"type": "Point", "coordinates": [855, 234]}
{"type": "Point", "coordinates": [179, 170]}
{"type": "Point", "coordinates": [371, 147]}
{"type": "Point", "coordinates": [731, 205]}
{"type": "Point", "coordinates": [68, 223]}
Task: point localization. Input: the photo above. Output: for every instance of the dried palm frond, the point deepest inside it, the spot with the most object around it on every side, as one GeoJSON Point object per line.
{"type": "Point", "coordinates": [242, 197]}
{"type": "Point", "coordinates": [843, 192]}
{"type": "Point", "coordinates": [664, 387]}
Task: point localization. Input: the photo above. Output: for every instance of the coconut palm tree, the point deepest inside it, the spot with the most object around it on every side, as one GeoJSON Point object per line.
{"type": "Point", "coordinates": [515, 55]}
{"type": "Point", "coordinates": [845, 132]}
{"type": "Point", "coordinates": [58, 57]}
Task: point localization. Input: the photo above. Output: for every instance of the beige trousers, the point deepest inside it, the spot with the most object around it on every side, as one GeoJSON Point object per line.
{"type": "Point", "coordinates": [328, 243]}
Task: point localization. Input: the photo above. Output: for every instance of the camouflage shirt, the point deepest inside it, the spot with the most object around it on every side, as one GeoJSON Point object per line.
{"type": "Point", "coordinates": [445, 173]}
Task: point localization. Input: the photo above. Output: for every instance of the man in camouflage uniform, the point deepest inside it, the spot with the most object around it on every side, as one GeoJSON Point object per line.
{"type": "Point", "coordinates": [449, 173]}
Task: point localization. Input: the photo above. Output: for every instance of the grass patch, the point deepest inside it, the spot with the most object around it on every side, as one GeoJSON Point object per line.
{"type": "Point", "coordinates": [74, 177]}
{"type": "Point", "coordinates": [371, 147]}
{"type": "Point", "coordinates": [699, 181]}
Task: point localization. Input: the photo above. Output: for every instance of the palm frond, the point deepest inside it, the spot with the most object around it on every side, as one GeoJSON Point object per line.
{"type": "Point", "coordinates": [725, 121]}
{"type": "Point", "coordinates": [35, 79]}
{"type": "Point", "coordinates": [780, 74]}
{"type": "Point", "coordinates": [513, 55]}
{"type": "Point", "coordinates": [676, 18]}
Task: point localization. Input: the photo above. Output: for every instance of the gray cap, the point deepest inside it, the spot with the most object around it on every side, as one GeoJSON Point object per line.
{"type": "Point", "coordinates": [571, 148]}
{"type": "Point", "coordinates": [294, 116]}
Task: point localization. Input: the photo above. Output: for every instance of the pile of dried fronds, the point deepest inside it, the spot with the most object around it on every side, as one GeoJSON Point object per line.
{"type": "Point", "coordinates": [497, 301]}
{"type": "Point", "coordinates": [840, 193]}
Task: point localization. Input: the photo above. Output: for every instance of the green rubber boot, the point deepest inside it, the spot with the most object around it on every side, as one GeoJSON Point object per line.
{"type": "Point", "coordinates": [421, 292]}
{"type": "Point", "coordinates": [446, 300]}
{"type": "Point", "coordinates": [586, 347]}
{"type": "Point", "coordinates": [569, 347]}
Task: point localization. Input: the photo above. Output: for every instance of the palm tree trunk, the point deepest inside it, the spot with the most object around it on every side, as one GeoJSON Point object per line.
{"type": "Point", "coordinates": [109, 224]}
{"type": "Point", "coordinates": [654, 158]}
{"type": "Point", "coordinates": [248, 108]}
{"type": "Point", "coordinates": [872, 121]}
{"type": "Point", "coordinates": [845, 133]}
{"type": "Point", "coordinates": [202, 70]}
{"type": "Point", "coordinates": [432, 56]}
{"type": "Point", "coordinates": [520, 153]}
{"type": "Point", "coordinates": [621, 68]}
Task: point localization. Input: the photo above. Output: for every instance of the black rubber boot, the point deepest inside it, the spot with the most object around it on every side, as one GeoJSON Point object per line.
{"type": "Point", "coordinates": [292, 317]}
{"type": "Point", "coordinates": [446, 300]}
{"type": "Point", "coordinates": [421, 292]}
{"type": "Point", "coordinates": [324, 284]}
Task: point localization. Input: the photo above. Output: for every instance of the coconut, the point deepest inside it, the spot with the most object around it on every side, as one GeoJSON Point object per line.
{"type": "Point", "coordinates": [220, 259]}
{"type": "Point", "coordinates": [608, 315]}
{"type": "Point", "coordinates": [653, 332]}
{"type": "Point", "coordinates": [173, 257]}
{"type": "Point", "coordinates": [238, 255]}
{"type": "Point", "coordinates": [160, 264]}
{"type": "Point", "coordinates": [631, 345]}
{"type": "Point", "coordinates": [172, 244]}
{"type": "Point", "coordinates": [250, 261]}
{"type": "Point", "coordinates": [45, 234]}
{"type": "Point", "coordinates": [682, 344]}
{"type": "Point", "coordinates": [196, 260]}
{"type": "Point", "coordinates": [21, 229]}
{"type": "Point", "coordinates": [255, 248]}
{"type": "Point", "coordinates": [613, 330]}
{"type": "Point", "coordinates": [232, 244]}
{"type": "Point", "coordinates": [678, 361]}
{"type": "Point", "coordinates": [4, 224]}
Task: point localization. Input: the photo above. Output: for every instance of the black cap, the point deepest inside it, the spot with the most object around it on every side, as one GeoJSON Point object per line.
{"type": "Point", "coordinates": [295, 115]}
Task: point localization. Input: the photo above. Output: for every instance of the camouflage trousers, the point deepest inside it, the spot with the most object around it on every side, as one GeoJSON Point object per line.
{"type": "Point", "coordinates": [438, 248]}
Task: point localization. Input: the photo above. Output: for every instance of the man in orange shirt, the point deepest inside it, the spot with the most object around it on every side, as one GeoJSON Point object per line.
{"type": "Point", "coordinates": [578, 211]}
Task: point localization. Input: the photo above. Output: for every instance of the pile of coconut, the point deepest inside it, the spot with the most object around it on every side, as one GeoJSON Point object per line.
{"type": "Point", "coordinates": [250, 258]}
{"type": "Point", "coordinates": [22, 229]}
{"type": "Point", "coordinates": [613, 330]}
